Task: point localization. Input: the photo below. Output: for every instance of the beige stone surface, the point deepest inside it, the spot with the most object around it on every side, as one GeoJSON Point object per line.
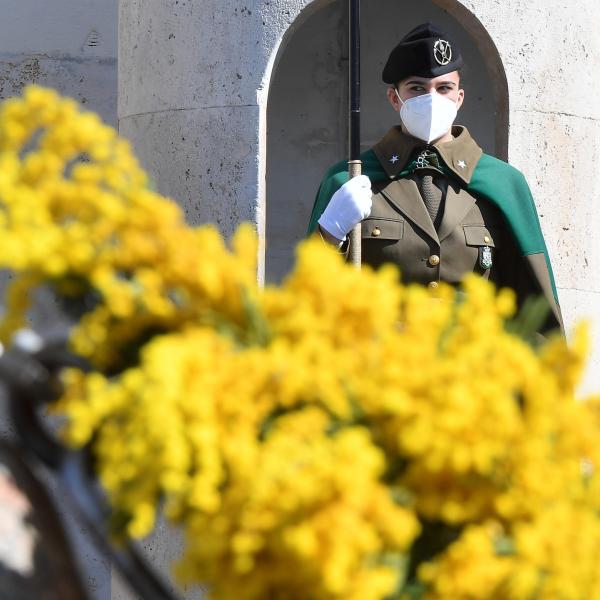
{"type": "Point", "coordinates": [550, 51]}
{"type": "Point", "coordinates": [205, 159]}
{"type": "Point", "coordinates": [69, 45]}
{"type": "Point", "coordinates": [559, 167]}
{"type": "Point", "coordinates": [582, 306]}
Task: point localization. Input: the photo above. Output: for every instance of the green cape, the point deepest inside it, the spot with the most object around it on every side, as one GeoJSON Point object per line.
{"type": "Point", "coordinates": [493, 179]}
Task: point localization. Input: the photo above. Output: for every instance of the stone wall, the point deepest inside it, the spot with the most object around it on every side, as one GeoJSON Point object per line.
{"type": "Point", "coordinates": [195, 83]}
{"type": "Point", "coordinates": [69, 45]}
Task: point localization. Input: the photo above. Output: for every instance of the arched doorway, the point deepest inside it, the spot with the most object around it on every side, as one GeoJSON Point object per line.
{"type": "Point", "coordinates": [307, 103]}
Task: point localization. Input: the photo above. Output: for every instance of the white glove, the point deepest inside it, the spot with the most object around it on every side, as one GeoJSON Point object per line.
{"type": "Point", "coordinates": [347, 207]}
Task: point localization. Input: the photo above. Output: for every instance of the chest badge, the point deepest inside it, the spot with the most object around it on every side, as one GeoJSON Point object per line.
{"type": "Point", "coordinates": [485, 257]}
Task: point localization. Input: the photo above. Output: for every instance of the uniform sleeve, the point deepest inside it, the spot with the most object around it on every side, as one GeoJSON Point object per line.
{"type": "Point", "coordinates": [507, 188]}
{"type": "Point", "coordinates": [524, 275]}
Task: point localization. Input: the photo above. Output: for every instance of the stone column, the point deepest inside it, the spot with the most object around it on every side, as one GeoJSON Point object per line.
{"type": "Point", "coordinates": [193, 86]}
{"type": "Point", "coordinates": [190, 75]}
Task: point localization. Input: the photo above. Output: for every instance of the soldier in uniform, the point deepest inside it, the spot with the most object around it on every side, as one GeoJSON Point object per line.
{"type": "Point", "coordinates": [430, 200]}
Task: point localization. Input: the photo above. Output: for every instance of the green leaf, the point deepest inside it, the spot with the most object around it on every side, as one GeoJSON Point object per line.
{"type": "Point", "coordinates": [414, 591]}
{"type": "Point", "coordinates": [530, 320]}
{"type": "Point", "coordinates": [259, 332]}
{"type": "Point", "coordinates": [504, 546]}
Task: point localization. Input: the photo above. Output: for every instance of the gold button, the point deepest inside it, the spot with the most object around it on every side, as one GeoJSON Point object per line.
{"type": "Point", "coordinates": [487, 239]}
{"type": "Point", "coordinates": [432, 284]}
{"type": "Point", "coordinates": [376, 231]}
{"type": "Point", "coordinates": [434, 260]}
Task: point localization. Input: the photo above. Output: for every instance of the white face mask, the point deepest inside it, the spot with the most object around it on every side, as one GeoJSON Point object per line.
{"type": "Point", "coordinates": [429, 116]}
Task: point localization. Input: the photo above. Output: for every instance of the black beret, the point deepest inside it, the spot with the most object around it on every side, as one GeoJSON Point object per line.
{"type": "Point", "coordinates": [426, 51]}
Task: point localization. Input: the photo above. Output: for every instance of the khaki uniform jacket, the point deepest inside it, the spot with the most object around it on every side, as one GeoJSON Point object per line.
{"type": "Point", "coordinates": [399, 229]}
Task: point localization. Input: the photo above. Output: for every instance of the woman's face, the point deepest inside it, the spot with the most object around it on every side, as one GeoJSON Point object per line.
{"type": "Point", "coordinates": [447, 85]}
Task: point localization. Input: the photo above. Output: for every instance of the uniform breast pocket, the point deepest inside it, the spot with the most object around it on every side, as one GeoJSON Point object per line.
{"type": "Point", "coordinates": [375, 228]}
{"type": "Point", "coordinates": [480, 235]}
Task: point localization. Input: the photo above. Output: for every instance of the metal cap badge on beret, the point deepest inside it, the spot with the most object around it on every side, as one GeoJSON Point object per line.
{"type": "Point", "coordinates": [426, 51]}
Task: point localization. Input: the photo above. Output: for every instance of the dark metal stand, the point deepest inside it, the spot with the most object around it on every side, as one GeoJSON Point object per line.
{"type": "Point", "coordinates": [31, 382]}
{"type": "Point", "coordinates": [354, 163]}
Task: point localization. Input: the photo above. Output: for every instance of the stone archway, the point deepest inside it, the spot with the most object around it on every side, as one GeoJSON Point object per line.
{"type": "Point", "coordinates": [307, 103]}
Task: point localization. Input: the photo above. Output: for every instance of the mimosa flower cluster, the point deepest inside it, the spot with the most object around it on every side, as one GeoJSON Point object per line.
{"type": "Point", "coordinates": [339, 437]}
